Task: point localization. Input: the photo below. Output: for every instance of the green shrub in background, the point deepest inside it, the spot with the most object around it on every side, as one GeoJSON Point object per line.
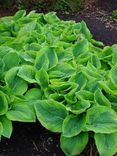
{"type": "Point", "coordinates": [69, 5]}
{"type": "Point", "coordinates": [45, 5]}
{"type": "Point", "coordinates": [115, 14]}
{"type": "Point", "coordinates": [7, 3]}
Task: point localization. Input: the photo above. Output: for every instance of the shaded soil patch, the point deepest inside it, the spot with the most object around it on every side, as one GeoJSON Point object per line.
{"type": "Point", "coordinates": [33, 140]}
{"type": "Point", "coordinates": [30, 140]}
{"type": "Point", "coordinates": [108, 5]}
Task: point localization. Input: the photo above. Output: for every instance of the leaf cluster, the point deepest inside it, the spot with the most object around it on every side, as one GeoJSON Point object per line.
{"type": "Point", "coordinates": [53, 70]}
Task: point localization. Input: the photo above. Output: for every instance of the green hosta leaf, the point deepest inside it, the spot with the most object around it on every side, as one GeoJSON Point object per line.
{"type": "Point", "coordinates": [62, 70]}
{"type": "Point", "coordinates": [64, 54]}
{"type": "Point", "coordinates": [27, 73]}
{"type": "Point", "coordinates": [92, 85]}
{"type": "Point", "coordinates": [57, 97]}
{"type": "Point", "coordinates": [101, 99]}
{"type": "Point", "coordinates": [19, 14]}
{"type": "Point", "coordinates": [1, 129]}
{"type": "Point", "coordinates": [97, 43]}
{"type": "Point", "coordinates": [85, 30]}
{"type": "Point", "coordinates": [101, 119]}
{"type": "Point", "coordinates": [81, 47]}
{"type": "Point", "coordinates": [21, 111]}
{"type": "Point", "coordinates": [70, 97]}
{"type": "Point", "coordinates": [104, 85]}
{"type": "Point", "coordinates": [41, 61]}
{"type": "Point", "coordinates": [32, 14]}
{"type": "Point", "coordinates": [62, 86]}
{"type": "Point", "coordinates": [74, 145]}
{"type": "Point", "coordinates": [84, 94]}
{"type": "Point", "coordinates": [73, 125]}
{"type": "Point", "coordinates": [106, 53]}
{"type": "Point", "coordinates": [33, 94]}
{"type": "Point", "coordinates": [80, 79]}
{"type": "Point", "coordinates": [106, 143]}
{"type": "Point", "coordinates": [52, 56]}
{"type": "Point", "coordinates": [83, 58]}
{"type": "Point", "coordinates": [16, 84]}
{"type": "Point", "coordinates": [26, 29]}
{"type": "Point", "coordinates": [3, 103]}
{"type": "Point", "coordinates": [11, 59]}
{"type": "Point", "coordinates": [42, 78]}
{"type": "Point", "coordinates": [4, 50]}
{"type": "Point", "coordinates": [7, 126]}
{"type": "Point", "coordinates": [95, 61]}
{"type": "Point", "coordinates": [111, 84]}
{"type": "Point", "coordinates": [91, 72]}
{"type": "Point", "coordinates": [2, 65]}
{"type": "Point", "coordinates": [114, 55]}
{"type": "Point", "coordinates": [51, 114]}
{"type": "Point", "coordinates": [79, 107]}
{"type": "Point", "coordinates": [48, 92]}
{"type": "Point", "coordinates": [27, 58]}
{"type": "Point", "coordinates": [113, 74]}
{"type": "Point", "coordinates": [51, 18]}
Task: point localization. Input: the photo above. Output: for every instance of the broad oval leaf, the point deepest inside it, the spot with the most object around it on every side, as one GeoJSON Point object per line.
{"type": "Point", "coordinates": [52, 57]}
{"type": "Point", "coordinates": [114, 55]}
{"type": "Point", "coordinates": [51, 17]}
{"type": "Point", "coordinates": [51, 114]}
{"type": "Point", "coordinates": [7, 126]}
{"type": "Point", "coordinates": [21, 111]}
{"type": "Point", "coordinates": [27, 73]}
{"type": "Point", "coordinates": [62, 70]}
{"type": "Point", "coordinates": [79, 107]}
{"type": "Point", "coordinates": [101, 99]}
{"type": "Point", "coordinates": [42, 78]}
{"type": "Point", "coordinates": [73, 125]}
{"type": "Point", "coordinates": [106, 143]}
{"type": "Point", "coordinates": [1, 129]}
{"type": "Point", "coordinates": [19, 14]}
{"type": "Point", "coordinates": [3, 103]}
{"type": "Point", "coordinates": [85, 30]}
{"type": "Point", "coordinates": [2, 65]}
{"type": "Point", "coordinates": [113, 74]}
{"type": "Point", "coordinates": [41, 60]}
{"type": "Point", "coordinates": [33, 94]}
{"type": "Point", "coordinates": [81, 47]}
{"type": "Point", "coordinates": [80, 79]}
{"type": "Point", "coordinates": [85, 95]}
{"type": "Point", "coordinates": [17, 85]}
{"type": "Point", "coordinates": [74, 145]}
{"type": "Point", "coordinates": [101, 119]}
{"type": "Point", "coordinates": [95, 61]}
{"type": "Point", "coordinates": [7, 60]}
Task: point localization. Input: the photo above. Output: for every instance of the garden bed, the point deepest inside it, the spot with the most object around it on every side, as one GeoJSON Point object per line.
{"type": "Point", "coordinates": [32, 139]}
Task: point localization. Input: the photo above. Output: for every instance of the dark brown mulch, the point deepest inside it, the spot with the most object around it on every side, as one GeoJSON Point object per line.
{"type": "Point", "coordinates": [33, 140]}
{"type": "Point", "coordinates": [108, 5]}
{"type": "Point", "coordinates": [30, 140]}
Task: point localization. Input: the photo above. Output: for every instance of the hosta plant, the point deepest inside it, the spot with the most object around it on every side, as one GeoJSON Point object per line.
{"type": "Point", "coordinates": [53, 70]}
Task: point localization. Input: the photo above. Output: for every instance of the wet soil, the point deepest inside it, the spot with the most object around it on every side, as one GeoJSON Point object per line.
{"type": "Point", "coordinates": [30, 140]}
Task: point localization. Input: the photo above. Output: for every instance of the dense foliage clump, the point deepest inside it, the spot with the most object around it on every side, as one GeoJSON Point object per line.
{"type": "Point", "coordinates": [53, 70]}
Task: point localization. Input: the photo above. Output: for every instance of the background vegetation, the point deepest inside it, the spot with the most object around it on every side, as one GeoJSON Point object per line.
{"type": "Point", "coordinates": [44, 5]}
